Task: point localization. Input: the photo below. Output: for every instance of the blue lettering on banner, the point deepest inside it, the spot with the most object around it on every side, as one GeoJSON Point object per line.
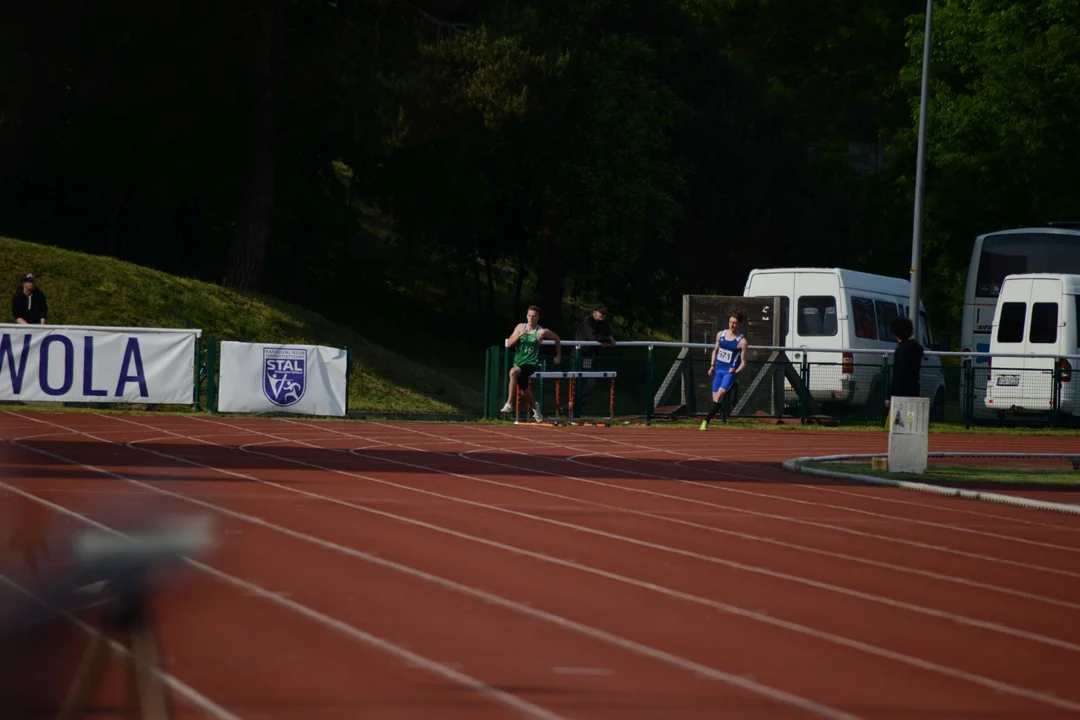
{"type": "Point", "coordinates": [132, 354]}
{"type": "Point", "coordinates": [284, 375]}
{"type": "Point", "coordinates": [69, 364]}
{"type": "Point", "coordinates": [88, 370]}
{"type": "Point", "coordinates": [131, 367]}
{"type": "Point", "coordinates": [7, 359]}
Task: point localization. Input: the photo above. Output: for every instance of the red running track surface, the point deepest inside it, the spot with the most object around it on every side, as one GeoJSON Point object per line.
{"type": "Point", "coordinates": [383, 570]}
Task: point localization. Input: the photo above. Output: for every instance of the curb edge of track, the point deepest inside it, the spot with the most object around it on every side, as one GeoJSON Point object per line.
{"type": "Point", "coordinates": [804, 465]}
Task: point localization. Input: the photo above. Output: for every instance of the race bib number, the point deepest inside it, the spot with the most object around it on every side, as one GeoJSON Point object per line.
{"type": "Point", "coordinates": [723, 356]}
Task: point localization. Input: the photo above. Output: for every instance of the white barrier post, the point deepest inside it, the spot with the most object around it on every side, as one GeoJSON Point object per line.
{"type": "Point", "coordinates": [909, 422]}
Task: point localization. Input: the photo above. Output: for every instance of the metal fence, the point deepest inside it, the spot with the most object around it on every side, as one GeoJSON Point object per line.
{"type": "Point", "coordinates": [666, 380]}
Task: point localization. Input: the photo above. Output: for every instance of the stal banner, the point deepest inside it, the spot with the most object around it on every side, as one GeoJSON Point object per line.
{"type": "Point", "coordinates": [302, 379]}
{"type": "Point", "coordinates": [57, 363]}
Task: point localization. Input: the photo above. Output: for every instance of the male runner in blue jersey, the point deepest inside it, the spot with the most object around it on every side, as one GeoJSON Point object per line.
{"type": "Point", "coordinates": [728, 360]}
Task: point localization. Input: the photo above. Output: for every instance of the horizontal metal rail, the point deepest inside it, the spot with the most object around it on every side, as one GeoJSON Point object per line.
{"type": "Point", "coordinates": [770, 348]}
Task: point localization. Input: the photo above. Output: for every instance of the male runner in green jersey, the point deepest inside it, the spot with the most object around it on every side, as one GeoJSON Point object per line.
{"type": "Point", "coordinates": [527, 336]}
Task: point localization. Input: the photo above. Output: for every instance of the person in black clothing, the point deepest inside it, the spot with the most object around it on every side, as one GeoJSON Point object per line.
{"type": "Point", "coordinates": [907, 361]}
{"type": "Point", "coordinates": [28, 304]}
{"type": "Point", "coordinates": [594, 328]}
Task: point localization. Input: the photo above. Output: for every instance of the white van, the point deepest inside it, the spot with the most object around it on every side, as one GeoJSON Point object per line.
{"type": "Point", "coordinates": [1036, 314]}
{"type": "Point", "coordinates": [845, 310]}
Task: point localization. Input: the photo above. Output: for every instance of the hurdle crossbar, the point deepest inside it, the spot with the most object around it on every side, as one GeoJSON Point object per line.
{"type": "Point", "coordinates": [571, 376]}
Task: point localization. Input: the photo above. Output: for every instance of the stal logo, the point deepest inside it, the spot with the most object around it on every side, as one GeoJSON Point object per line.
{"type": "Point", "coordinates": [284, 375]}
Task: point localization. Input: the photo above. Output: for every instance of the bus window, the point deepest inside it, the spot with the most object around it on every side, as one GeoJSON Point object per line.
{"type": "Point", "coordinates": [1019, 253]}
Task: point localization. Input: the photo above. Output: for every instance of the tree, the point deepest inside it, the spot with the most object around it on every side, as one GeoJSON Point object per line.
{"type": "Point", "coordinates": [1002, 145]}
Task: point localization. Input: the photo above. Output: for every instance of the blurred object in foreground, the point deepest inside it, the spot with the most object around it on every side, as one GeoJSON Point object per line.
{"type": "Point", "coordinates": [29, 540]}
{"type": "Point", "coordinates": [46, 656]}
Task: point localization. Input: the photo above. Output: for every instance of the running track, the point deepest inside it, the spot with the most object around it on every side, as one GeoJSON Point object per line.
{"type": "Point", "coordinates": [376, 570]}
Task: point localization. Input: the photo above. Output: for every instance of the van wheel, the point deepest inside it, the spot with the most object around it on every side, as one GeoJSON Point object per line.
{"type": "Point", "coordinates": [937, 408]}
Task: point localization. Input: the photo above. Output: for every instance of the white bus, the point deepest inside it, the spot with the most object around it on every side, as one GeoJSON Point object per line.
{"type": "Point", "coordinates": [1051, 249]}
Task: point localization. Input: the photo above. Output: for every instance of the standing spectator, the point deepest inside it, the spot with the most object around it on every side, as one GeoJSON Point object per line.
{"type": "Point", "coordinates": [907, 361]}
{"type": "Point", "coordinates": [594, 328]}
{"type": "Point", "coordinates": [28, 304]}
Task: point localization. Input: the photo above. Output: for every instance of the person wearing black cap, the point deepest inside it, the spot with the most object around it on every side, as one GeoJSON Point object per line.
{"type": "Point", "coordinates": [28, 304]}
{"type": "Point", "coordinates": [594, 328]}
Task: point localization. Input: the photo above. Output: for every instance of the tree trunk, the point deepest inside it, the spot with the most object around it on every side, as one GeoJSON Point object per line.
{"type": "Point", "coordinates": [519, 282]}
{"type": "Point", "coordinates": [251, 234]}
{"type": "Point", "coordinates": [478, 284]}
{"type": "Point", "coordinates": [551, 284]}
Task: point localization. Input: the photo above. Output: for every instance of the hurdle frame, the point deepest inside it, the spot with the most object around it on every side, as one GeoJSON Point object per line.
{"type": "Point", "coordinates": [570, 376]}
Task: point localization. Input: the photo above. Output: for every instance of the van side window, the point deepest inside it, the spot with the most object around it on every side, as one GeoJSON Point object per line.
{"type": "Point", "coordinates": [1044, 323]}
{"type": "Point", "coordinates": [886, 313]}
{"type": "Point", "coordinates": [862, 313]}
{"type": "Point", "coordinates": [925, 331]}
{"type": "Point", "coordinates": [785, 318]}
{"type": "Point", "coordinates": [1011, 326]}
{"type": "Point", "coordinates": [1077, 299]}
{"type": "Point", "coordinates": [817, 315]}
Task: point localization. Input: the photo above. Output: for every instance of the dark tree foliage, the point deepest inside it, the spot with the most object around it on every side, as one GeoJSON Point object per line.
{"type": "Point", "coordinates": [370, 157]}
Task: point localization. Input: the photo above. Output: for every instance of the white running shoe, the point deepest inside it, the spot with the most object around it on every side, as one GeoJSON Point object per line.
{"type": "Point", "coordinates": [507, 408]}
{"type": "Point", "coordinates": [537, 416]}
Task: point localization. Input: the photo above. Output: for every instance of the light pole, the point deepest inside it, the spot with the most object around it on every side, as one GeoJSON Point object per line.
{"type": "Point", "coordinates": [920, 171]}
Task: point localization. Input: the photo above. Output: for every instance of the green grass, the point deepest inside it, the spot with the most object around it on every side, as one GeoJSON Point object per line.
{"type": "Point", "coordinates": [961, 475]}
{"type": "Point", "coordinates": [92, 290]}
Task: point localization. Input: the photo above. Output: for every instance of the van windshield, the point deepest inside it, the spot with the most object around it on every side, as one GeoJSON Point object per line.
{"type": "Point", "coordinates": [1024, 253]}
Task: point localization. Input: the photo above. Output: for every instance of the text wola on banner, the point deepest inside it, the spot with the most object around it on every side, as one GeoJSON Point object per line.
{"type": "Point", "coordinates": [57, 363]}
{"type": "Point", "coordinates": [264, 377]}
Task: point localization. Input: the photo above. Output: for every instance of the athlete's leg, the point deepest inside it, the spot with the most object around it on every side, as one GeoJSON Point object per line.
{"type": "Point", "coordinates": [722, 382]}
{"type": "Point", "coordinates": [530, 402]}
{"type": "Point", "coordinates": [515, 372]}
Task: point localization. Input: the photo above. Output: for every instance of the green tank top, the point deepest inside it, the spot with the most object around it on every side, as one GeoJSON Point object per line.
{"type": "Point", "coordinates": [528, 348]}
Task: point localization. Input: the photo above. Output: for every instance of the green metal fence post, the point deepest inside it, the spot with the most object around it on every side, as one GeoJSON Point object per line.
{"type": "Point", "coordinates": [487, 383]}
{"type": "Point", "coordinates": [196, 400]}
{"type": "Point", "coordinates": [967, 402]}
{"type": "Point", "coordinates": [495, 404]}
{"type": "Point", "coordinates": [1055, 391]}
{"type": "Point", "coordinates": [504, 381]}
{"type": "Point", "coordinates": [649, 399]}
{"type": "Point", "coordinates": [348, 373]}
{"type": "Point", "coordinates": [886, 380]}
{"type": "Point", "coordinates": [211, 375]}
{"type": "Point", "coordinates": [805, 397]}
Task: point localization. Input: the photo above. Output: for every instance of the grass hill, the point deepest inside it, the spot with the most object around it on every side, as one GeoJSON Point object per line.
{"type": "Point", "coordinates": [87, 289]}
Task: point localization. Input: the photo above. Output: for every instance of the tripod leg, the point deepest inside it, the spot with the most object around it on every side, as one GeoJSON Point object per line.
{"type": "Point", "coordinates": [89, 671]}
{"type": "Point", "coordinates": [151, 689]}
{"type": "Point", "coordinates": [131, 681]}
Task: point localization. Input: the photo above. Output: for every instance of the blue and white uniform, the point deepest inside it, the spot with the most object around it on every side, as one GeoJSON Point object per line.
{"type": "Point", "coordinates": [728, 358]}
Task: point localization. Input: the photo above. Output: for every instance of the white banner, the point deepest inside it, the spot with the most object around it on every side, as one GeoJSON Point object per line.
{"type": "Point", "coordinates": [58, 363]}
{"type": "Point", "coordinates": [263, 377]}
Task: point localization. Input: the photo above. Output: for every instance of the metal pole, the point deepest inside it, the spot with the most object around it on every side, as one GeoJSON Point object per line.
{"type": "Point", "coordinates": [916, 237]}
